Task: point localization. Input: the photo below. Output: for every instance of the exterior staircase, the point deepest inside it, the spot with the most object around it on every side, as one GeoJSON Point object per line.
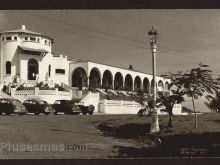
{"type": "Point", "coordinates": [76, 93]}
{"type": "Point", "coordinates": [4, 95]}
{"type": "Point", "coordinates": [84, 97]}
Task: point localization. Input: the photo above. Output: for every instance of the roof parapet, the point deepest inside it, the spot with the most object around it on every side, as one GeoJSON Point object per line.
{"type": "Point", "coordinates": [23, 27]}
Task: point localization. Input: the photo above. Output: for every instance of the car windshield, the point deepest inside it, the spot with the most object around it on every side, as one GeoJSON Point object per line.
{"type": "Point", "coordinates": [70, 102]}
{"type": "Point", "coordinates": [16, 102]}
{"type": "Point", "coordinates": [42, 102]}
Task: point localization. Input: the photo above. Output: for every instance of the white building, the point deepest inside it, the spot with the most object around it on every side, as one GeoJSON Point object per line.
{"type": "Point", "coordinates": [26, 53]}
{"type": "Point", "coordinates": [27, 56]}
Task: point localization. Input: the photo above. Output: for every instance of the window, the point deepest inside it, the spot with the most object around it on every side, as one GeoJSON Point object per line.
{"type": "Point", "coordinates": [49, 70]}
{"type": "Point", "coordinates": [8, 67]}
{"type": "Point", "coordinates": [38, 40]}
{"type": "Point", "coordinates": [60, 71]}
{"type": "Point", "coordinates": [45, 41]}
{"type": "Point", "coordinates": [25, 38]}
{"type": "Point", "coordinates": [8, 38]}
{"type": "Point", "coordinates": [32, 39]}
{"type": "Point", "coordinates": [26, 101]}
{"type": "Point", "coordinates": [15, 38]}
{"type": "Point", "coordinates": [3, 38]}
{"type": "Point", "coordinates": [57, 102]}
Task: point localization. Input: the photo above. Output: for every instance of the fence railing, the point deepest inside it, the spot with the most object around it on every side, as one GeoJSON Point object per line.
{"type": "Point", "coordinates": [48, 95]}
{"type": "Point", "coordinates": [22, 92]}
{"type": "Point", "coordinates": [119, 102]}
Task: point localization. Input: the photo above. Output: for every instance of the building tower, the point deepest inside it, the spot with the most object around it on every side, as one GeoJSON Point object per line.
{"type": "Point", "coordinates": [21, 53]}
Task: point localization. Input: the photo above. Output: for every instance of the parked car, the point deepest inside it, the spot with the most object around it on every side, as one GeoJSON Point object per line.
{"type": "Point", "coordinates": [38, 106]}
{"type": "Point", "coordinates": [87, 109]}
{"type": "Point", "coordinates": [12, 106]}
{"type": "Point", "coordinates": [66, 106]}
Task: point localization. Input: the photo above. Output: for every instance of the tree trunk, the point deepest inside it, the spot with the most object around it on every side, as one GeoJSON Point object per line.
{"type": "Point", "coordinates": [170, 120]}
{"type": "Point", "coordinates": [194, 108]}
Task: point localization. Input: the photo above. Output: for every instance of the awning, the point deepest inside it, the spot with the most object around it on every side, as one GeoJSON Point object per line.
{"type": "Point", "coordinates": [33, 51]}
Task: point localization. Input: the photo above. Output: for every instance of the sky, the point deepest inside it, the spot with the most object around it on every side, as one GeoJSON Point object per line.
{"type": "Point", "coordinates": [120, 37]}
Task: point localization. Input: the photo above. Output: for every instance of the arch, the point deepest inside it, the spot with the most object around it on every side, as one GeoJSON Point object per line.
{"type": "Point", "coordinates": [118, 81]}
{"type": "Point", "coordinates": [79, 78]}
{"type": "Point", "coordinates": [167, 86]}
{"type": "Point", "coordinates": [8, 67]}
{"type": "Point", "coordinates": [146, 85]}
{"type": "Point", "coordinates": [128, 82]}
{"type": "Point", "coordinates": [160, 86]}
{"type": "Point", "coordinates": [33, 69]}
{"type": "Point", "coordinates": [107, 79]}
{"type": "Point", "coordinates": [94, 78]}
{"type": "Point", "coordinates": [137, 83]}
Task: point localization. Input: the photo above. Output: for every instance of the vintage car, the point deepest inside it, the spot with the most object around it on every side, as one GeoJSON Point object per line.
{"type": "Point", "coordinates": [38, 106]}
{"type": "Point", "coordinates": [87, 109]}
{"type": "Point", "coordinates": [11, 106]}
{"type": "Point", "coordinates": [67, 107]}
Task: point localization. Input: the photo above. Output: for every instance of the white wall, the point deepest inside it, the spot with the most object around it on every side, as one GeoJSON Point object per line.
{"type": "Point", "coordinates": [35, 44]}
{"type": "Point", "coordinates": [119, 107]}
{"type": "Point", "coordinates": [91, 99]}
{"type": "Point", "coordinates": [60, 62]}
{"type": "Point", "coordinates": [129, 107]}
{"type": "Point", "coordinates": [177, 110]}
{"type": "Point", "coordinates": [9, 52]}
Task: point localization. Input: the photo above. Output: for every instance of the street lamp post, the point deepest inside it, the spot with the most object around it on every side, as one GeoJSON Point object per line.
{"type": "Point", "coordinates": [153, 34]}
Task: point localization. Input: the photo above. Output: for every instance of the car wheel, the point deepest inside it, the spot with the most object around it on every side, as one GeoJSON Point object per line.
{"type": "Point", "coordinates": [46, 113]}
{"type": "Point", "coordinates": [91, 109]}
{"type": "Point", "coordinates": [84, 113]}
{"type": "Point", "coordinates": [8, 113]}
{"type": "Point", "coordinates": [75, 113]}
{"type": "Point", "coordinates": [37, 113]}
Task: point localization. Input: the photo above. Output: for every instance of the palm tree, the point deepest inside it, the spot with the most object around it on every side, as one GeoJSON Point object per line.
{"type": "Point", "coordinates": [213, 102]}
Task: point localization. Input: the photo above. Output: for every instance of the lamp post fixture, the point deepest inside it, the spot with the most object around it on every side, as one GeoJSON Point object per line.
{"type": "Point", "coordinates": [153, 34]}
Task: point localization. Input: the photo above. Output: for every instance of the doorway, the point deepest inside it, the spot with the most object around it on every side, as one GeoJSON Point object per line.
{"type": "Point", "coordinates": [32, 69]}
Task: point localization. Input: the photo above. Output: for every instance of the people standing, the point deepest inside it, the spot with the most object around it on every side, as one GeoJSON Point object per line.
{"type": "Point", "coordinates": [37, 77]}
{"type": "Point", "coordinates": [9, 88]}
{"type": "Point", "coordinates": [18, 79]}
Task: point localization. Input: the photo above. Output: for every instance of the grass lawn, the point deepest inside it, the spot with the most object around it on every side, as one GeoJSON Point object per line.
{"type": "Point", "coordinates": [68, 130]}
{"type": "Point", "coordinates": [180, 140]}
{"type": "Point", "coordinates": [109, 136]}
